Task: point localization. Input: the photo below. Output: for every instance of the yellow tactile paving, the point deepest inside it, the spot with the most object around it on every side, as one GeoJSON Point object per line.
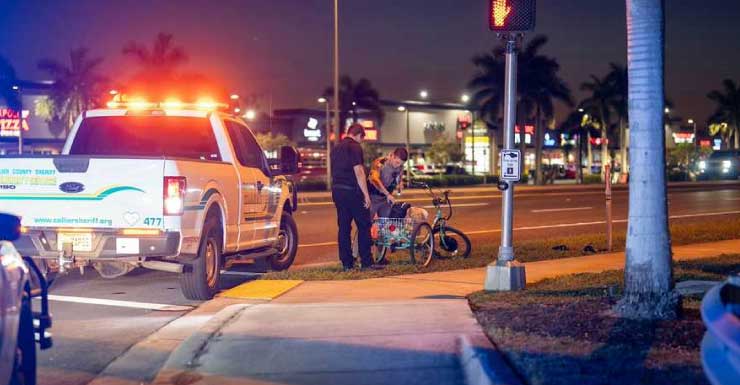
{"type": "Point", "coordinates": [260, 289]}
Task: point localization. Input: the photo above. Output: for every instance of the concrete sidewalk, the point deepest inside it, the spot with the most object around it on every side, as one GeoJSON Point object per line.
{"type": "Point", "coordinates": [395, 330]}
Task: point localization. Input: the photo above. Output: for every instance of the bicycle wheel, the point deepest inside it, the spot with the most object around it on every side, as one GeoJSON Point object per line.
{"type": "Point", "coordinates": [453, 244]}
{"type": "Point", "coordinates": [379, 253]}
{"type": "Point", "coordinates": [422, 245]}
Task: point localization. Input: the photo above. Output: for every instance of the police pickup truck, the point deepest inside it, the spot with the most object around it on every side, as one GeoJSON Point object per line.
{"type": "Point", "coordinates": [166, 186]}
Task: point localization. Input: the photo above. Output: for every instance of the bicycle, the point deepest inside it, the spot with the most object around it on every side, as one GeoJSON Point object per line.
{"type": "Point", "coordinates": [449, 241]}
{"type": "Point", "coordinates": [391, 234]}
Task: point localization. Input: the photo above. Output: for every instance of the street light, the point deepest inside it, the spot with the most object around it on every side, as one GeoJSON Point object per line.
{"type": "Point", "coordinates": [408, 145]}
{"type": "Point", "coordinates": [250, 115]}
{"type": "Point", "coordinates": [693, 123]}
{"type": "Point", "coordinates": [325, 102]}
{"type": "Point", "coordinates": [667, 110]}
{"type": "Point", "coordinates": [423, 94]}
{"type": "Point", "coordinates": [465, 98]}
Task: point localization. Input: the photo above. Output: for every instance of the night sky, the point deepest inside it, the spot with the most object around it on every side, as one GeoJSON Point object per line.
{"type": "Point", "coordinates": [282, 47]}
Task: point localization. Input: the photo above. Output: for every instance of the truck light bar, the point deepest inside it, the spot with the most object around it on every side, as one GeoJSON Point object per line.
{"type": "Point", "coordinates": [204, 104]}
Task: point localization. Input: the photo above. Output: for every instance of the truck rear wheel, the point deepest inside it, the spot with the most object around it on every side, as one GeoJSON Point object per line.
{"type": "Point", "coordinates": [287, 243]}
{"type": "Point", "coordinates": [200, 281]}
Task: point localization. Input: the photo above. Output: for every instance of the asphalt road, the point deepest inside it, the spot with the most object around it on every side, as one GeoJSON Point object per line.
{"type": "Point", "coordinates": [537, 214]}
{"type": "Point", "coordinates": [115, 314]}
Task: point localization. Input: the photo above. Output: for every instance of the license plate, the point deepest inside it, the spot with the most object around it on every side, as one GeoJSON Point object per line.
{"type": "Point", "coordinates": [79, 241]}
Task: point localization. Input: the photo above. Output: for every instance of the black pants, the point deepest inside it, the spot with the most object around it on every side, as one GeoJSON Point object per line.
{"type": "Point", "coordinates": [350, 207]}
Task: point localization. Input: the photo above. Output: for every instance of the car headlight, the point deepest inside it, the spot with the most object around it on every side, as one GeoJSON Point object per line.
{"type": "Point", "coordinates": [702, 165]}
{"type": "Point", "coordinates": [726, 163]}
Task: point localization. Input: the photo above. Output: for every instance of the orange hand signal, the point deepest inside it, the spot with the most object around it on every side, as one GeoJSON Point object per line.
{"type": "Point", "coordinates": [500, 11]}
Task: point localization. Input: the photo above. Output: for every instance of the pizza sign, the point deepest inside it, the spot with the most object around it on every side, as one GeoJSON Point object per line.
{"type": "Point", "coordinates": [10, 122]}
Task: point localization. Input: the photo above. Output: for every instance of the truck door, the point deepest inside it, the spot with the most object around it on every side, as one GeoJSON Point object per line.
{"type": "Point", "coordinates": [267, 222]}
{"type": "Point", "coordinates": [249, 198]}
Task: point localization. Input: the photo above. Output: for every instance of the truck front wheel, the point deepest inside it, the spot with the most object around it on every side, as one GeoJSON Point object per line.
{"type": "Point", "coordinates": [287, 244]}
{"type": "Point", "coordinates": [200, 280]}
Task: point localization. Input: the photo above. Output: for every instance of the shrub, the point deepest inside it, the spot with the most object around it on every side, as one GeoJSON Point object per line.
{"type": "Point", "coordinates": [592, 179]}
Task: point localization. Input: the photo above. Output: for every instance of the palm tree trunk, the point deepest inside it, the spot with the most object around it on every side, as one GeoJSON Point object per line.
{"type": "Point", "coordinates": [623, 145]}
{"type": "Point", "coordinates": [538, 149]}
{"type": "Point", "coordinates": [648, 277]}
{"type": "Point", "coordinates": [589, 154]}
{"type": "Point", "coordinates": [737, 137]}
{"type": "Point", "coordinates": [522, 138]}
{"type": "Point", "coordinates": [604, 149]}
{"type": "Point", "coordinates": [579, 169]}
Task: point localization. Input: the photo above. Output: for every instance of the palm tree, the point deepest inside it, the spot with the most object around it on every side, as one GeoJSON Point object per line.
{"type": "Point", "coordinates": [158, 63]}
{"type": "Point", "coordinates": [539, 85]}
{"type": "Point", "coordinates": [598, 106]}
{"type": "Point", "coordinates": [579, 126]}
{"type": "Point", "coordinates": [648, 280]}
{"type": "Point", "coordinates": [617, 78]}
{"type": "Point", "coordinates": [77, 87]}
{"type": "Point", "coordinates": [355, 96]}
{"type": "Point", "coordinates": [8, 80]}
{"type": "Point", "coordinates": [728, 111]}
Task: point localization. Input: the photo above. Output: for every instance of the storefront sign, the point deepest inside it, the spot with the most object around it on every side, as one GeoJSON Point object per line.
{"type": "Point", "coordinates": [9, 122]}
{"type": "Point", "coordinates": [312, 132]}
{"type": "Point", "coordinates": [683, 137]}
{"type": "Point", "coordinates": [528, 134]}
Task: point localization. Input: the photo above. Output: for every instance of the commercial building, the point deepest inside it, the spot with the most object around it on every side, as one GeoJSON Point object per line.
{"type": "Point", "coordinates": [38, 136]}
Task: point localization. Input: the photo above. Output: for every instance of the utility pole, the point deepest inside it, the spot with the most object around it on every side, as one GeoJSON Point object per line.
{"type": "Point", "coordinates": [337, 124]}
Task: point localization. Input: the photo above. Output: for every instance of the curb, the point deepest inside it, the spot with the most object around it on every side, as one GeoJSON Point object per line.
{"type": "Point", "coordinates": [185, 357]}
{"type": "Point", "coordinates": [482, 364]}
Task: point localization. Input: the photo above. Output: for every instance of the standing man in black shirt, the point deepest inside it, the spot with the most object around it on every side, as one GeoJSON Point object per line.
{"type": "Point", "coordinates": [351, 197]}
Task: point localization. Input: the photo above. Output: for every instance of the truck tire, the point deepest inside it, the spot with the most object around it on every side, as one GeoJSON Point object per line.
{"type": "Point", "coordinates": [200, 280]}
{"type": "Point", "coordinates": [287, 244]}
{"type": "Point", "coordinates": [24, 372]}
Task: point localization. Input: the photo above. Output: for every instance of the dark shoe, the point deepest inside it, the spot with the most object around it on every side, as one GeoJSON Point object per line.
{"type": "Point", "coordinates": [383, 262]}
{"type": "Point", "coordinates": [347, 268]}
{"type": "Point", "coordinates": [372, 268]}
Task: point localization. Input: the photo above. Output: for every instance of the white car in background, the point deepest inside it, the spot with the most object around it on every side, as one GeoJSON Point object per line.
{"type": "Point", "coordinates": [20, 326]}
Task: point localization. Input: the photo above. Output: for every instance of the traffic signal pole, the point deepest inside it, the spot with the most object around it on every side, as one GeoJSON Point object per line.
{"type": "Point", "coordinates": [506, 274]}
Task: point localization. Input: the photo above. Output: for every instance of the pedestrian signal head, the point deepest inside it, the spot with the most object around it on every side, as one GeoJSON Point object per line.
{"type": "Point", "coordinates": [511, 15]}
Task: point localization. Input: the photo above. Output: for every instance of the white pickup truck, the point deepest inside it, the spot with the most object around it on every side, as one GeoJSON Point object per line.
{"type": "Point", "coordinates": [185, 191]}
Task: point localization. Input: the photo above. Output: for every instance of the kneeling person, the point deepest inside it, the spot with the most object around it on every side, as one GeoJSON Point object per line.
{"type": "Point", "coordinates": [385, 177]}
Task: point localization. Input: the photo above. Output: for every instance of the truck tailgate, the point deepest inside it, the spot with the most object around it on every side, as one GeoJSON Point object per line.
{"type": "Point", "coordinates": [83, 192]}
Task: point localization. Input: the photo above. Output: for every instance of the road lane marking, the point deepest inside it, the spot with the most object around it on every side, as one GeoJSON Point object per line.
{"type": "Point", "coordinates": [117, 303]}
{"type": "Point", "coordinates": [457, 198]}
{"type": "Point", "coordinates": [732, 199]}
{"type": "Point", "coordinates": [559, 225]}
{"type": "Point", "coordinates": [563, 209]}
{"type": "Point", "coordinates": [533, 194]}
{"type": "Point", "coordinates": [460, 205]}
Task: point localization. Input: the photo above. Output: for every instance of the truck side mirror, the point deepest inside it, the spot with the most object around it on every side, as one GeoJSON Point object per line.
{"type": "Point", "coordinates": [289, 160]}
{"type": "Point", "coordinates": [10, 227]}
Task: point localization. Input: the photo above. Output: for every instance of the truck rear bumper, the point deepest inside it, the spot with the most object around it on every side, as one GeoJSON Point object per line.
{"type": "Point", "coordinates": [103, 245]}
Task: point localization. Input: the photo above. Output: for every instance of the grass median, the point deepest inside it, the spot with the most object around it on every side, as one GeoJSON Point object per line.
{"type": "Point", "coordinates": [527, 251]}
{"type": "Point", "coordinates": [561, 330]}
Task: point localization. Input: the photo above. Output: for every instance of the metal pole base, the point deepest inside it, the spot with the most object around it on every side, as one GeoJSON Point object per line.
{"type": "Point", "coordinates": [505, 276]}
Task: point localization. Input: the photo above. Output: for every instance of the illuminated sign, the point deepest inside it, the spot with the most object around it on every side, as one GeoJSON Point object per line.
{"type": "Point", "coordinates": [683, 137]}
{"type": "Point", "coordinates": [511, 15]}
{"type": "Point", "coordinates": [549, 141]}
{"type": "Point", "coordinates": [717, 144]}
{"type": "Point", "coordinates": [9, 122]}
{"type": "Point", "coordinates": [528, 134]}
{"type": "Point", "coordinates": [311, 132]}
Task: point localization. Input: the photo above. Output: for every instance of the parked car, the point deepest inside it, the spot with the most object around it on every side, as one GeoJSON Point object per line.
{"type": "Point", "coordinates": [20, 281]}
{"type": "Point", "coordinates": [721, 165]}
{"type": "Point", "coordinates": [182, 190]}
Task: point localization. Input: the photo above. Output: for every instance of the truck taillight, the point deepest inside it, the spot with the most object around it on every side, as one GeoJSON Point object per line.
{"type": "Point", "coordinates": [174, 195]}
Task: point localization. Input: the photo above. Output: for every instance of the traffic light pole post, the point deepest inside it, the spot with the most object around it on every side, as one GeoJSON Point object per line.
{"type": "Point", "coordinates": [506, 274]}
